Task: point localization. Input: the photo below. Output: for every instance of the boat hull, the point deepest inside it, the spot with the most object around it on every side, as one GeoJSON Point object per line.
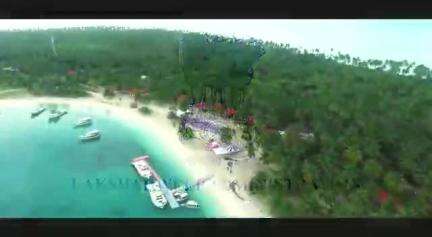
{"type": "Point", "coordinates": [56, 117]}
{"type": "Point", "coordinates": [191, 204]}
{"type": "Point", "coordinates": [142, 168]}
{"type": "Point", "coordinates": [88, 139]}
{"type": "Point", "coordinates": [36, 113]}
{"type": "Point", "coordinates": [82, 124]}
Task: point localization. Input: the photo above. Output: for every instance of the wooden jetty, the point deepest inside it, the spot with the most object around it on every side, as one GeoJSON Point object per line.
{"type": "Point", "coordinates": [166, 191]}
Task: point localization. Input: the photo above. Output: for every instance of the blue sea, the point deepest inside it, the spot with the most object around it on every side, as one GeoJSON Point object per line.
{"type": "Point", "coordinates": [46, 172]}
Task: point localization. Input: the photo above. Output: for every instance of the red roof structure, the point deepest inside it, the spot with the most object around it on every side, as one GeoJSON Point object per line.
{"type": "Point", "coordinates": [135, 91]}
{"type": "Point", "coordinates": [218, 107]}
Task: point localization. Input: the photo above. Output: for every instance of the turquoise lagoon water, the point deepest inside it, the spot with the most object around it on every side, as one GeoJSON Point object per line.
{"type": "Point", "coordinates": [47, 173]}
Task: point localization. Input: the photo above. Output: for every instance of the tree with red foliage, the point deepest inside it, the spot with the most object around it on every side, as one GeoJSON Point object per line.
{"type": "Point", "coordinates": [71, 72]}
{"type": "Point", "coordinates": [201, 105]}
{"type": "Point", "coordinates": [230, 112]}
{"type": "Point", "coordinates": [269, 129]}
{"type": "Point", "coordinates": [382, 196]}
{"type": "Point", "coordinates": [250, 120]}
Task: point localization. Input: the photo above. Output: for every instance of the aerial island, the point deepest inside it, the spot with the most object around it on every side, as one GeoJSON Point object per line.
{"type": "Point", "coordinates": [260, 129]}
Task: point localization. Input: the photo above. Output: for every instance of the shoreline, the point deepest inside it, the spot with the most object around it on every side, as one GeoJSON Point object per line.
{"type": "Point", "coordinates": [197, 161]}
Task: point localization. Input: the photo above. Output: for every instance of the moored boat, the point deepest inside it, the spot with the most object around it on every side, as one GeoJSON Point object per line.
{"type": "Point", "coordinates": [38, 111]}
{"type": "Point", "coordinates": [84, 122]}
{"type": "Point", "coordinates": [92, 135]}
{"type": "Point", "coordinates": [57, 114]}
{"type": "Point", "coordinates": [191, 204]}
{"type": "Point", "coordinates": [142, 167]}
{"type": "Point", "coordinates": [156, 195]}
{"type": "Point", "coordinates": [180, 194]}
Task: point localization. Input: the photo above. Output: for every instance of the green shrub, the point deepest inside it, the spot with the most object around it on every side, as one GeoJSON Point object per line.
{"type": "Point", "coordinates": [186, 133]}
{"type": "Point", "coordinates": [226, 134]}
{"type": "Point", "coordinates": [108, 92]}
{"type": "Point", "coordinates": [145, 110]}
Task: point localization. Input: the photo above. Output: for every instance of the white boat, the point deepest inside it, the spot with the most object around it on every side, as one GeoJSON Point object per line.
{"type": "Point", "coordinates": [92, 135]}
{"type": "Point", "coordinates": [142, 167]}
{"type": "Point", "coordinates": [84, 122]}
{"type": "Point", "coordinates": [38, 111]}
{"type": "Point", "coordinates": [191, 204]}
{"type": "Point", "coordinates": [57, 114]}
{"type": "Point", "coordinates": [180, 194]}
{"type": "Point", "coordinates": [156, 195]}
{"type": "Point", "coordinates": [228, 150]}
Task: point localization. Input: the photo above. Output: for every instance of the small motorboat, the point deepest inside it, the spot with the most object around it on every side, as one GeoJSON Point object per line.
{"type": "Point", "coordinates": [83, 122]}
{"type": "Point", "coordinates": [142, 167]}
{"type": "Point", "coordinates": [38, 111]}
{"type": "Point", "coordinates": [191, 204]}
{"type": "Point", "coordinates": [89, 136]}
{"type": "Point", "coordinates": [228, 150]}
{"type": "Point", "coordinates": [57, 115]}
{"type": "Point", "coordinates": [180, 194]}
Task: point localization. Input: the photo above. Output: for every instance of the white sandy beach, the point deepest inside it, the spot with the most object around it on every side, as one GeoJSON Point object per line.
{"type": "Point", "coordinates": [198, 161]}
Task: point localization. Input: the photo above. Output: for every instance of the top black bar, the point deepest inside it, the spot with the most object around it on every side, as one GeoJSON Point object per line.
{"type": "Point", "coordinates": [220, 9]}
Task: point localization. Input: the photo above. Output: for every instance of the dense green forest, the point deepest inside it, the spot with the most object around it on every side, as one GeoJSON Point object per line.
{"type": "Point", "coordinates": [368, 151]}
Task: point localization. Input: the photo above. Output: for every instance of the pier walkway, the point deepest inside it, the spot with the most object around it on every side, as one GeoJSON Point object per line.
{"type": "Point", "coordinates": [166, 191]}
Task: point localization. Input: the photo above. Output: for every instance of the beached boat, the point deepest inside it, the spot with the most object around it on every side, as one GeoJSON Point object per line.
{"type": "Point", "coordinates": [38, 111]}
{"type": "Point", "coordinates": [228, 150]}
{"type": "Point", "coordinates": [180, 194]}
{"type": "Point", "coordinates": [92, 135]}
{"type": "Point", "coordinates": [142, 166]}
{"type": "Point", "coordinates": [156, 195]}
{"type": "Point", "coordinates": [191, 204]}
{"type": "Point", "coordinates": [84, 122]}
